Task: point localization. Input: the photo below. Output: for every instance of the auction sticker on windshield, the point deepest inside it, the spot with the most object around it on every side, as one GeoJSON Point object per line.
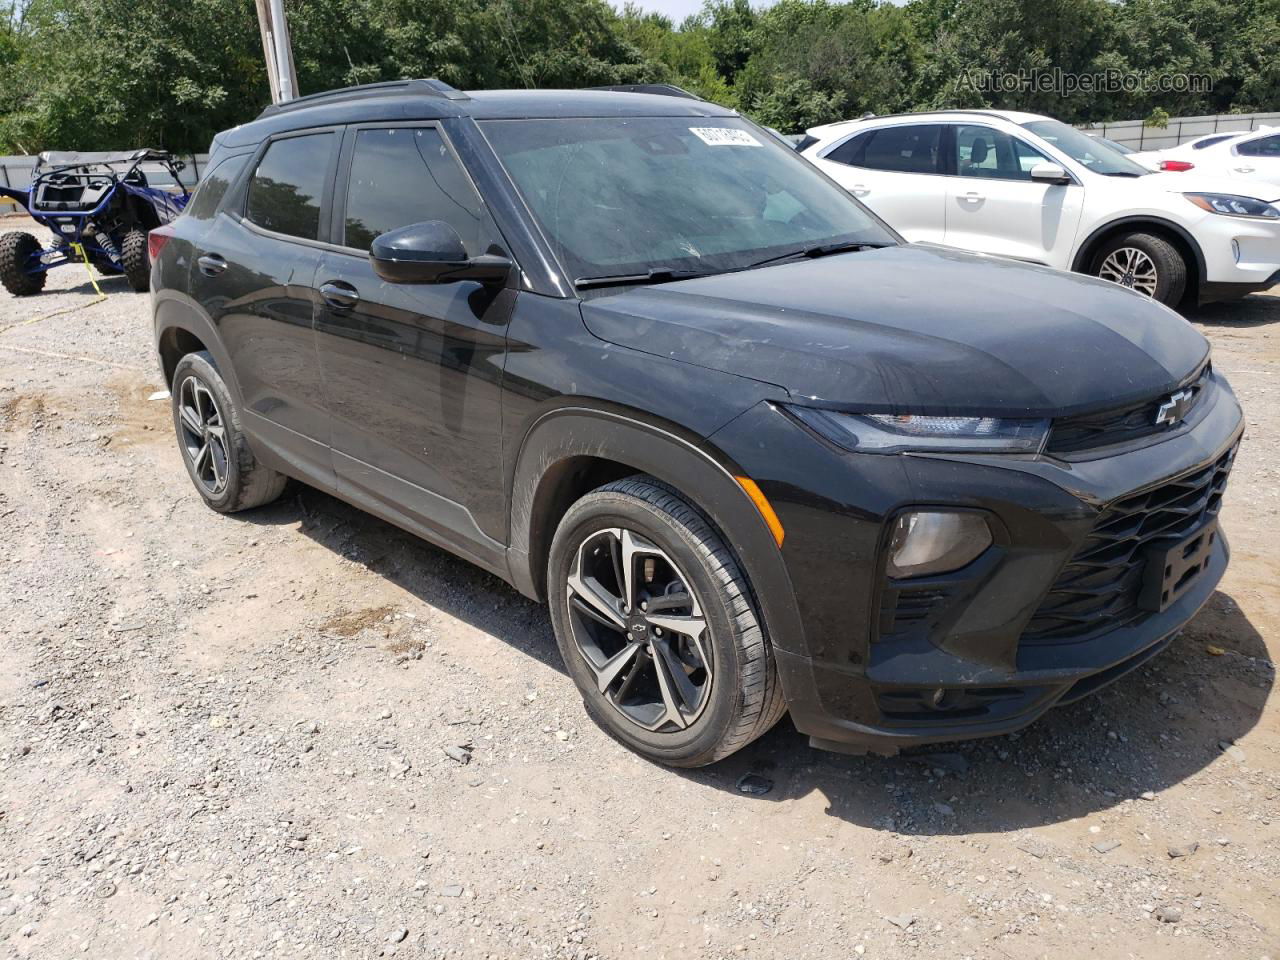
{"type": "Point", "coordinates": [725, 137]}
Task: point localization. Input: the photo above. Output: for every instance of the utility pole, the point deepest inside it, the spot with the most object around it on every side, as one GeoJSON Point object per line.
{"type": "Point", "coordinates": [277, 50]}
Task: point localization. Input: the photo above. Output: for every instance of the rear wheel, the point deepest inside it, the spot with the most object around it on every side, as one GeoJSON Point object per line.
{"type": "Point", "coordinates": [1146, 263]}
{"type": "Point", "coordinates": [136, 260]}
{"type": "Point", "coordinates": [656, 624]}
{"type": "Point", "coordinates": [19, 252]}
{"type": "Point", "coordinates": [217, 455]}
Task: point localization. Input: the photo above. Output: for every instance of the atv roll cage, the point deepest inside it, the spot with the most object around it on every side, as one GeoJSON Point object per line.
{"type": "Point", "coordinates": [99, 207]}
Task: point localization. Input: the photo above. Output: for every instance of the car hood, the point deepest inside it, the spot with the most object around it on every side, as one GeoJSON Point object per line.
{"type": "Point", "coordinates": [1191, 182]}
{"type": "Point", "coordinates": [914, 328]}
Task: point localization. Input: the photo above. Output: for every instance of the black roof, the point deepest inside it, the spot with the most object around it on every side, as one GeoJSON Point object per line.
{"type": "Point", "coordinates": [433, 100]}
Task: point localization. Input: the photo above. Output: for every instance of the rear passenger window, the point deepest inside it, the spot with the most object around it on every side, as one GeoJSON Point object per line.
{"type": "Point", "coordinates": [286, 189]}
{"type": "Point", "coordinates": [213, 187]}
{"type": "Point", "coordinates": [907, 149]}
{"type": "Point", "coordinates": [407, 175]}
{"type": "Point", "coordinates": [1263, 147]}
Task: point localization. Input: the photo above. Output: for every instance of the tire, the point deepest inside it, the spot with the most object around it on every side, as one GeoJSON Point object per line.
{"type": "Point", "coordinates": [136, 260]}
{"type": "Point", "coordinates": [16, 249]}
{"type": "Point", "coordinates": [1131, 258]}
{"type": "Point", "coordinates": [731, 694]}
{"type": "Point", "coordinates": [229, 478]}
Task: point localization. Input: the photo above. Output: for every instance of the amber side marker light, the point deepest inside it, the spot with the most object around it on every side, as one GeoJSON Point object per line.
{"type": "Point", "coordinates": [764, 506]}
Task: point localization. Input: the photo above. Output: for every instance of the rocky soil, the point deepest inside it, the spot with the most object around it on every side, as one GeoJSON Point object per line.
{"type": "Point", "coordinates": [299, 732]}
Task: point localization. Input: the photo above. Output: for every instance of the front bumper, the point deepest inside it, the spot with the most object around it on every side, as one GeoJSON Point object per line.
{"type": "Point", "coordinates": [968, 658]}
{"type": "Point", "coordinates": [1241, 256]}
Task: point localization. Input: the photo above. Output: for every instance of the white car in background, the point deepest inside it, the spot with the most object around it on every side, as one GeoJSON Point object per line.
{"type": "Point", "coordinates": [1032, 188]}
{"type": "Point", "coordinates": [1247, 156]}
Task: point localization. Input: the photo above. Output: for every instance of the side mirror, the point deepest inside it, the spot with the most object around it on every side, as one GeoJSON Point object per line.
{"type": "Point", "coordinates": [431, 252]}
{"type": "Point", "coordinates": [1049, 173]}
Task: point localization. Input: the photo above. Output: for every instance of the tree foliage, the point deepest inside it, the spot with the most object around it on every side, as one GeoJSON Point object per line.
{"type": "Point", "coordinates": [104, 74]}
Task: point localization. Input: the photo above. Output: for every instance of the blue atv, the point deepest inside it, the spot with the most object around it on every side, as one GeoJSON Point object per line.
{"type": "Point", "coordinates": [99, 207]}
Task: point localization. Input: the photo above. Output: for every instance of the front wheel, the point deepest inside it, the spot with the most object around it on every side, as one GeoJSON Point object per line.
{"type": "Point", "coordinates": [1146, 263]}
{"type": "Point", "coordinates": [19, 254]}
{"type": "Point", "coordinates": [657, 627]}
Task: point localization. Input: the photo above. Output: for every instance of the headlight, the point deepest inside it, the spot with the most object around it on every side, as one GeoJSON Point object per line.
{"type": "Point", "coordinates": [897, 433]}
{"type": "Point", "coordinates": [925, 542]}
{"type": "Point", "coordinates": [1233, 206]}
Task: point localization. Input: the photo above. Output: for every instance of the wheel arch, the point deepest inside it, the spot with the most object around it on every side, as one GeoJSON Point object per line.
{"type": "Point", "coordinates": [181, 328]}
{"type": "Point", "coordinates": [1177, 235]}
{"type": "Point", "coordinates": [572, 450]}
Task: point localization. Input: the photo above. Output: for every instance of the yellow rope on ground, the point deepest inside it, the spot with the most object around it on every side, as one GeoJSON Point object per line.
{"type": "Point", "coordinates": [77, 248]}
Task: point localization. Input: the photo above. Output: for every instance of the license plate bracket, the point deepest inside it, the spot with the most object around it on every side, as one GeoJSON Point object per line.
{"type": "Point", "coordinates": [1171, 569]}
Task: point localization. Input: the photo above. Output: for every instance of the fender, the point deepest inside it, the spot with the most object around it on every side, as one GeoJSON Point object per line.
{"type": "Point", "coordinates": [177, 311]}
{"type": "Point", "coordinates": [19, 196]}
{"type": "Point", "coordinates": [568, 432]}
{"type": "Point", "coordinates": [1079, 262]}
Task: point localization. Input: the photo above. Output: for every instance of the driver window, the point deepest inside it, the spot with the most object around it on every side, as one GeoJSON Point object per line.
{"type": "Point", "coordinates": [405, 175]}
{"type": "Point", "coordinates": [994, 155]}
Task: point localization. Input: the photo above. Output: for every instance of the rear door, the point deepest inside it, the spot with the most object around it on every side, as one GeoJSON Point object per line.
{"type": "Point", "coordinates": [413, 372]}
{"type": "Point", "coordinates": [254, 273]}
{"type": "Point", "coordinates": [1257, 159]}
{"type": "Point", "coordinates": [896, 171]}
{"type": "Point", "coordinates": [993, 205]}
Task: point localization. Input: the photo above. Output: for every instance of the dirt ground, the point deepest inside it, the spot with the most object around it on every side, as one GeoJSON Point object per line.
{"type": "Point", "coordinates": [226, 737]}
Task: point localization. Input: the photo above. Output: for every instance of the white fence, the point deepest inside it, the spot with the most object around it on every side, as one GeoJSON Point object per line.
{"type": "Point", "coordinates": [1134, 133]}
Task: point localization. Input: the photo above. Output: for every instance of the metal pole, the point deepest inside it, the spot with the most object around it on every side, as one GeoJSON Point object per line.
{"type": "Point", "coordinates": [284, 52]}
{"type": "Point", "coordinates": [268, 49]}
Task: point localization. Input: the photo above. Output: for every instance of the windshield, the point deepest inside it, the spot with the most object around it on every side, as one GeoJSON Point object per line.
{"type": "Point", "coordinates": [704, 194]}
{"type": "Point", "coordinates": [1095, 154]}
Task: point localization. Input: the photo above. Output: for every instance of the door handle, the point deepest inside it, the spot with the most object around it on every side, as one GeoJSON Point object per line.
{"type": "Point", "coordinates": [1244, 169]}
{"type": "Point", "coordinates": [972, 197]}
{"type": "Point", "coordinates": [859, 190]}
{"type": "Point", "coordinates": [211, 264]}
{"type": "Point", "coordinates": [339, 295]}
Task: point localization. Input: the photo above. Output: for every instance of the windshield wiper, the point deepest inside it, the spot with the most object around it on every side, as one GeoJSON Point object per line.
{"type": "Point", "coordinates": [823, 250]}
{"type": "Point", "coordinates": [656, 275]}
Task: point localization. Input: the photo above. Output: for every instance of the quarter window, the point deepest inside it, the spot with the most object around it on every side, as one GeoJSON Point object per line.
{"type": "Point", "coordinates": [853, 151]}
{"type": "Point", "coordinates": [912, 148]}
{"type": "Point", "coordinates": [213, 187]}
{"type": "Point", "coordinates": [993, 154]}
{"type": "Point", "coordinates": [407, 175]}
{"type": "Point", "coordinates": [286, 189]}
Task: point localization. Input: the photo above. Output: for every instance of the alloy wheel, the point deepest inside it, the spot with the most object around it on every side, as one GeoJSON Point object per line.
{"type": "Point", "coordinates": [640, 630]}
{"type": "Point", "coordinates": [204, 436]}
{"type": "Point", "coordinates": [1130, 267]}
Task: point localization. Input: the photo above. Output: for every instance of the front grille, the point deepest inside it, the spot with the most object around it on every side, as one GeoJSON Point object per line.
{"type": "Point", "coordinates": [1119, 425]}
{"type": "Point", "coordinates": [1099, 588]}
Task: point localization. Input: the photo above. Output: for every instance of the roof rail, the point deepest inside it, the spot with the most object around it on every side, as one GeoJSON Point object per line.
{"type": "Point", "coordinates": [658, 89]}
{"type": "Point", "coordinates": [425, 87]}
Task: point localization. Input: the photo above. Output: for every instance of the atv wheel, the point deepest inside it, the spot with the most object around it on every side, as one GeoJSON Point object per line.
{"type": "Point", "coordinates": [16, 253]}
{"type": "Point", "coordinates": [136, 260]}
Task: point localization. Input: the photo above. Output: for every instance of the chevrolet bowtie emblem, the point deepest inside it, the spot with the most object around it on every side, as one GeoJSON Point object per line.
{"type": "Point", "coordinates": [1175, 408]}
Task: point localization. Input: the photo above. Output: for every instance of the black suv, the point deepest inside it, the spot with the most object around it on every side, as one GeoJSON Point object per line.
{"type": "Point", "coordinates": [627, 351]}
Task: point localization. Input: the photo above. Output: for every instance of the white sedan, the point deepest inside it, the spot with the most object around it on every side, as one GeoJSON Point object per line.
{"type": "Point", "coordinates": [1031, 188]}
{"type": "Point", "coordinates": [1248, 156]}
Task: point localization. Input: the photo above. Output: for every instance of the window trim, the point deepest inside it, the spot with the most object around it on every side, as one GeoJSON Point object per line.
{"type": "Point", "coordinates": [342, 179]}
{"type": "Point", "coordinates": [241, 198]}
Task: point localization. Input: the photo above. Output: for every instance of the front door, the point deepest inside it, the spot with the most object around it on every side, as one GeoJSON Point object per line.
{"type": "Point", "coordinates": [993, 205]}
{"type": "Point", "coordinates": [413, 372]}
